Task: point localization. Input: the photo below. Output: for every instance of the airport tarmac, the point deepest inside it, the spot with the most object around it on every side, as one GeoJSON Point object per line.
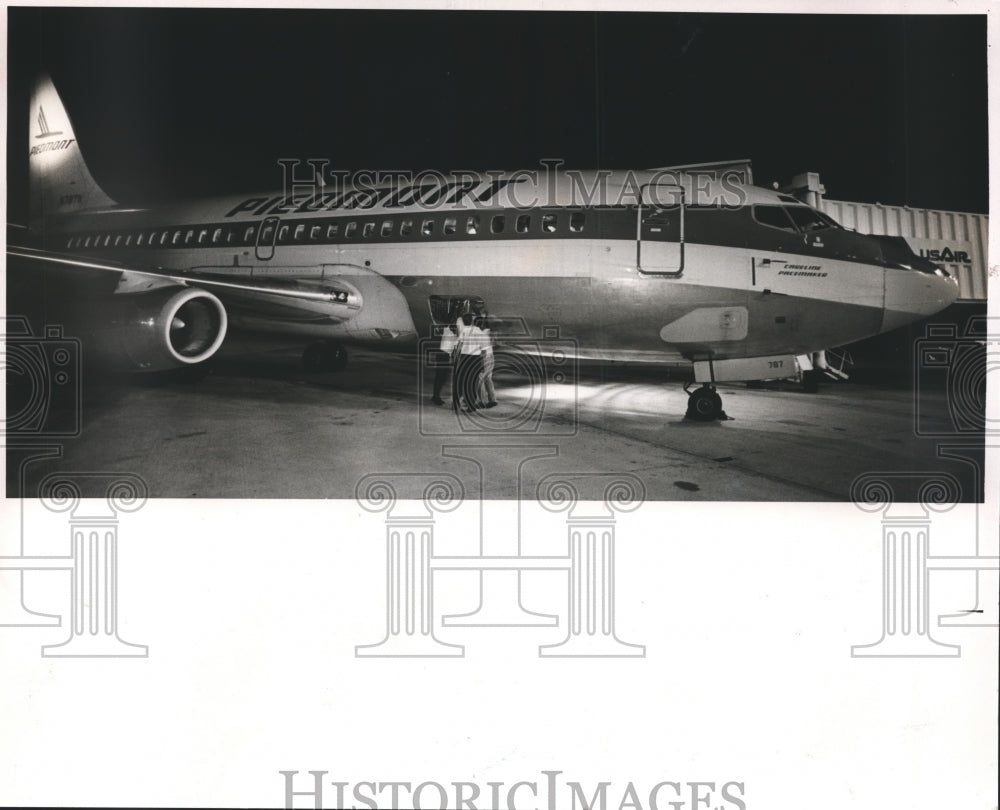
{"type": "Point", "coordinates": [259, 427]}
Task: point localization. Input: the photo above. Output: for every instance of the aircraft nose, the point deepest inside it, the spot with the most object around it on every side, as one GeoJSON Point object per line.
{"type": "Point", "coordinates": [913, 294]}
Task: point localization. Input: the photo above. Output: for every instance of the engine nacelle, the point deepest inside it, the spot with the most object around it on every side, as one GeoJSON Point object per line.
{"type": "Point", "coordinates": [165, 328]}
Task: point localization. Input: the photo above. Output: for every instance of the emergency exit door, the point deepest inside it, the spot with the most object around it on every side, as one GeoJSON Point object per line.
{"type": "Point", "coordinates": [660, 230]}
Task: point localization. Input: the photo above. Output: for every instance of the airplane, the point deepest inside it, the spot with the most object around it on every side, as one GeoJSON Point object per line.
{"type": "Point", "coordinates": [667, 266]}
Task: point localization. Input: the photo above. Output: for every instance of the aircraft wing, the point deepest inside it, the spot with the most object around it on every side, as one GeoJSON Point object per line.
{"type": "Point", "coordinates": [141, 279]}
{"type": "Point", "coordinates": [153, 318]}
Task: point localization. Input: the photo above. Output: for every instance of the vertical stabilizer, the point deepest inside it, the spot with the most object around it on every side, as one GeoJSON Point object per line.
{"type": "Point", "coordinates": [59, 180]}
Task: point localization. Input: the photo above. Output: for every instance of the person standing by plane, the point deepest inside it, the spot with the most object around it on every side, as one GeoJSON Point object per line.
{"type": "Point", "coordinates": [443, 360]}
{"type": "Point", "coordinates": [469, 365]}
{"type": "Point", "coordinates": [486, 391]}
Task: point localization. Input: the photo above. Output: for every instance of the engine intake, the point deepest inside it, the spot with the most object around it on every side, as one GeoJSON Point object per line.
{"type": "Point", "coordinates": [165, 328]}
{"type": "Point", "coordinates": [195, 324]}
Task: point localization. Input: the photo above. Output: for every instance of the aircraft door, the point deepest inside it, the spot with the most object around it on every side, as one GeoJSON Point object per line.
{"type": "Point", "coordinates": [659, 237]}
{"type": "Point", "coordinates": [266, 235]}
{"type": "Point", "coordinates": [446, 309]}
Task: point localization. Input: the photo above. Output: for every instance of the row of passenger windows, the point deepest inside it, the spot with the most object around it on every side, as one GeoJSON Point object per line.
{"type": "Point", "coordinates": [328, 231]}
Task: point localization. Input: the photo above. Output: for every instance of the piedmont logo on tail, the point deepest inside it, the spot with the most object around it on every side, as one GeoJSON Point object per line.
{"type": "Point", "coordinates": [43, 125]}
{"type": "Point", "coordinates": [45, 132]}
{"type": "Point", "coordinates": [648, 266]}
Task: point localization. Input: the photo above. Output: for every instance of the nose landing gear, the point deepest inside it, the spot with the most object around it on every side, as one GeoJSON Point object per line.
{"type": "Point", "coordinates": [704, 404]}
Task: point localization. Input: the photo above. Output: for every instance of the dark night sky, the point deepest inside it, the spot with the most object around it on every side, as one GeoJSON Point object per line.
{"type": "Point", "coordinates": [172, 103]}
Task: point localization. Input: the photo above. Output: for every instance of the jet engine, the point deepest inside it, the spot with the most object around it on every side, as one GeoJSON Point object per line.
{"type": "Point", "coordinates": [164, 328]}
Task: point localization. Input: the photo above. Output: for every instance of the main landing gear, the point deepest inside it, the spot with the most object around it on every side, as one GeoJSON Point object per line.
{"type": "Point", "coordinates": [324, 355]}
{"type": "Point", "coordinates": [704, 404]}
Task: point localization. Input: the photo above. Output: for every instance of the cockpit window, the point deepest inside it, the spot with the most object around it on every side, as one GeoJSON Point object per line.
{"type": "Point", "coordinates": [793, 218]}
{"type": "Point", "coordinates": [773, 216]}
{"type": "Point", "coordinates": [809, 219]}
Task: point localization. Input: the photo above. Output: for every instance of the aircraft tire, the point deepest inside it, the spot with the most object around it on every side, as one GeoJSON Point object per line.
{"type": "Point", "coordinates": [810, 381]}
{"type": "Point", "coordinates": [336, 357]}
{"type": "Point", "coordinates": [704, 405]}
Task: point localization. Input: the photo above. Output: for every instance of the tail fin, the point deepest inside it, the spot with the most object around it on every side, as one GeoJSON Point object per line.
{"type": "Point", "coordinates": [60, 181]}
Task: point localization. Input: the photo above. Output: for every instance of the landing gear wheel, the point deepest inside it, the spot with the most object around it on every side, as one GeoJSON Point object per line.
{"type": "Point", "coordinates": [704, 404]}
{"type": "Point", "coordinates": [324, 356]}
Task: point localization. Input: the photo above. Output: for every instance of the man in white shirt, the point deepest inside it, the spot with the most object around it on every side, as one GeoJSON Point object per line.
{"type": "Point", "coordinates": [443, 362]}
{"type": "Point", "coordinates": [487, 393]}
{"type": "Point", "coordinates": [470, 363]}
